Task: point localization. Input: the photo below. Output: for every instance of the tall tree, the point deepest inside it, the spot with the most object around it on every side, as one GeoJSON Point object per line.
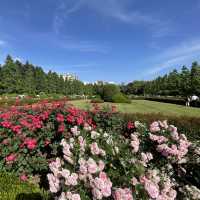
{"type": "Point", "coordinates": [195, 78]}
{"type": "Point", "coordinates": [29, 81]}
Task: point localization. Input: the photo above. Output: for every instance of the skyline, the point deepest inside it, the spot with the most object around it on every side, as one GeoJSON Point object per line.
{"type": "Point", "coordinates": [106, 40]}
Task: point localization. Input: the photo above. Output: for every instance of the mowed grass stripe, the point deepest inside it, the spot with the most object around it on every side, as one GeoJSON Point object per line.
{"type": "Point", "coordinates": [144, 106]}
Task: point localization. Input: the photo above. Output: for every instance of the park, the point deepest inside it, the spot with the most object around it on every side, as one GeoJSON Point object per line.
{"type": "Point", "coordinates": [99, 100]}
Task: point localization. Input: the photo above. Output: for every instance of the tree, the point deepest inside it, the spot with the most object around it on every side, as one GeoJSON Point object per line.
{"type": "Point", "coordinates": [185, 89]}
{"type": "Point", "coordinates": [195, 78]}
{"type": "Point", "coordinates": [29, 81]}
{"type": "Point", "coordinates": [40, 80]}
{"type": "Point", "coordinates": [9, 76]}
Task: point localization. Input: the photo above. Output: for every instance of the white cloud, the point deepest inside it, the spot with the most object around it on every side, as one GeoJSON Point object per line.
{"type": "Point", "coordinates": [83, 46]}
{"type": "Point", "coordinates": [178, 55]}
{"type": "Point", "coordinates": [115, 9]}
{"type": "Point", "coordinates": [18, 59]}
{"type": "Point", "coordinates": [2, 42]}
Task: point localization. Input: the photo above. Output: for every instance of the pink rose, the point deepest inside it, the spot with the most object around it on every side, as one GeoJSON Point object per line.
{"type": "Point", "coordinates": [75, 197]}
{"type": "Point", "coordinates": [23, 177]}
{"type": "Point", "coordinates": [10, 158]}
{"type": "Point", "coordinates": [94, 149]}
{"type": "Point", "coordinates": [152, 189]}
{"type": "Point", "coordinates": [92, 166]}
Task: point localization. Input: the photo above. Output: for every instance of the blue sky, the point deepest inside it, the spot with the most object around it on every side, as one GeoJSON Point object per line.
{"type": "Point", "coordinates": [111, 40]}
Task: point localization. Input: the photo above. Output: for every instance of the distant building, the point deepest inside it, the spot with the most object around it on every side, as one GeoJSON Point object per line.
{"type": "Point", "coordinates": [104, 82]}
{"type": "Point", "coordinates": [69, 77]}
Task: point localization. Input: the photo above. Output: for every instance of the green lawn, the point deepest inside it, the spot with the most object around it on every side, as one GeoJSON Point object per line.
{"type": "Point", "coordinates": [144, 106]}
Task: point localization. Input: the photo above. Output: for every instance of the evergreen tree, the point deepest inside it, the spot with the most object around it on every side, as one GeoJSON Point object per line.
{"type": "Point", "coordinates": [29, 81]}
{"type": "Point", "coordinates": [195, 78]}
{"type": "Point", "coordinates": [8, 76]}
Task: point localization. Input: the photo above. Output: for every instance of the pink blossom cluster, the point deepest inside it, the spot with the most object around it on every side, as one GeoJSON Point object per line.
{"type": "Point", "coordinates": [69, 196]}
{"type": "Point", "coordinates": [95, 150]}
{"type": "Point", "coordinates": [89, 167]}
{"type": "Point", "coordinates": [122, 194]}
{"type": "Point", "coordinates": [157, 189]}
{"type": "Point", "coordinates": [101, 186]}
{"type": "Point", "coordinates": [158, 125]}
{"type": "Point", "coordinates": [90, 172]}
{"type": "Point", "coordinates": [82, 143]}
{"type": "Point", "coordinates": [70, 179]}
{"type": "Point", "coordinates": [135, 143]}
{"type": "Point", "coordinates": [55, 167]}
{"type": "Point", "coordinates": [54, 183]}
{"type": "Point", "coordinates": [57, 173]}
{"type": "Point", "coordinates": [87, 127]}
{"type": "Point", "coordinates": [67, 151]}
{"type": "Point", "coordinates": [179, 147]}
{"type": "Point", "coordinates": [158, 138]}
{"type": "Point", "coordinates": [94, 134]}
{"type": "Point", "coordinates": [145, 158]}
{"type": "Point", "coordinates": [53, 178]}
{"type": "Point", "coordinates": [75, 131]}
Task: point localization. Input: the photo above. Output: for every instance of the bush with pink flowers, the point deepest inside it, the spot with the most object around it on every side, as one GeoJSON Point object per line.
{"type": "Point", "coordinates": [97, 164]}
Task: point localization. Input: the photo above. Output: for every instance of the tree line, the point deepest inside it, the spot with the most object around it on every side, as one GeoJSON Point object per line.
{"type": "Point", "coordinates": [183, 83]}
{"type": "Point", "coordinates": [26, 78]}
{"type": "Point", "coordinates": [19, 78]}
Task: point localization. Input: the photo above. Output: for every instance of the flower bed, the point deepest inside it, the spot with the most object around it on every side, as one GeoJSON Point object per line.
{"type": "Point", "coordinates": [97, 155]}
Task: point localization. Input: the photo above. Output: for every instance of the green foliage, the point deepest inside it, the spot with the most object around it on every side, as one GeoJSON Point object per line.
{"type": "Point", "coordinates": [183, 83]}
{"type": "Point", "coordinates": [19, 78]}
{"type": "Point", "coordinates": [112, 130]}
{"type": "Point", "coordinates": [107, 91]}
{"type": "Point", "coordinates": [13, 189]}
{"type": "Point", "coordinates": [120, 98]}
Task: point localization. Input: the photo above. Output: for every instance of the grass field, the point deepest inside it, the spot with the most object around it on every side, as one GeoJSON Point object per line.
{"type": "Point", "coordinates": [144, 106]}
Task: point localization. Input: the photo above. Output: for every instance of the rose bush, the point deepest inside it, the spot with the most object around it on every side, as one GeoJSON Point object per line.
{"type": "Point", "coordinates": [97, 154]}
{"type": "Point", "coordinates": [97, 164]}
{"type": "Point", "coordinates": [30, 135]}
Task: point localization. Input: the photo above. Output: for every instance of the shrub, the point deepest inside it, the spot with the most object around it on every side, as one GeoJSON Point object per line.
{"type": "Point", "coordinates": [173, 100]}
{"type": "Point", "coordinates": [29, 136]}
{"type": "Point", "coordinates": [120, 98]}
{"type": "Point", "coordinates": [96, 164]}
{"type": "Point", "coordinates": [109, 90]}
{"type": "Point", "coordinates": [125, 154]}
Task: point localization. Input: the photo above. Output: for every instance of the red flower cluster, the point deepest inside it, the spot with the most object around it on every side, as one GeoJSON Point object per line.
{"type": "Point", "coordinates": [26, 132]}
{"type": "Point", "coordinates": [30, 143]}
{"type": "Point", "coordinates": [130, 125]}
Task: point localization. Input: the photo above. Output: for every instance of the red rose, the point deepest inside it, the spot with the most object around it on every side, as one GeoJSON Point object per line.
{"type": "Point", "coordinates": [6, 124]}
{"type": "Point", "coordinates": [80, 120]}
{"type": "Point", "coordinates": [61, 128]}
{"type": "Point", "coordinates": [130, 125]}
{"type": "Point", "coordinates": [31, 143]}
{"type": "Point", "coordinates": [60, 117]}
{"type": "Point", "coordinates": [70, 118]}
{"type": "Point", "coordinates": [16, 129]}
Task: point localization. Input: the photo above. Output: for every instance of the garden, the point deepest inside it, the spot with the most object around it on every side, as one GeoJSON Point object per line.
{"type": "Point", "coordinates": [53, 150]}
